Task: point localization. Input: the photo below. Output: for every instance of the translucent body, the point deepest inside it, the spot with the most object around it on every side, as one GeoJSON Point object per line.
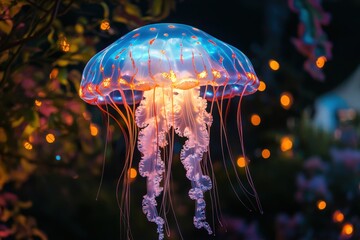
{"type": "Point", "coordinates": [171, 70]}
{"type": "Point", "coordinates": [166, 55]}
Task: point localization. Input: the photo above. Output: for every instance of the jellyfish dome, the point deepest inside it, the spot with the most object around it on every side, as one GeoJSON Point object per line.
{"type": "Point", "coordinates": [164, 75]}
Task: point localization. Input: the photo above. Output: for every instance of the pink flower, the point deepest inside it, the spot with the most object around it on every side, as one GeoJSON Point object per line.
{"type": "Point", "coordinates": [4, 231]}
{"type": "Point", "coordinates": [67, 118]}
{"type": "Point", "coordinates": [75, 106]}
{"type": "Point", "coordinates": [47, 108]}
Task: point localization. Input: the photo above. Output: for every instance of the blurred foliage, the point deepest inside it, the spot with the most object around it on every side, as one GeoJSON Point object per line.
{"type": "Point", "coordinates": [312, 41]}
{"type": "Point", "coordinates": [44, 125]}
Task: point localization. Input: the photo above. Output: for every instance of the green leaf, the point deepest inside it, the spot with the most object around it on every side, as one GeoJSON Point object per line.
{"type": "Point", "coordinates": [106, 10]}
{"type": "Point", "coordinates": [156, 7]}
{"type": "Point", "coordinates": [17, 122]}
{"type": "Point", "coordinates": [29, 129]}
{"type": "Point", "coordinates": [132, 9]}
{"type": "Point", "coordinates": [121, 19]}
{"type": "Point", "coordinates": [50, 36]}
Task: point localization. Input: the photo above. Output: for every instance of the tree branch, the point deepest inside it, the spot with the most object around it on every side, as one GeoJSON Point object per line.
{"type": "Point", "coordinates": [37, 34]}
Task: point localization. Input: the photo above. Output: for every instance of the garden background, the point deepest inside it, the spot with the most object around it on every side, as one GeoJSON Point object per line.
{"type": "Point", "coordinates": [301, 128]}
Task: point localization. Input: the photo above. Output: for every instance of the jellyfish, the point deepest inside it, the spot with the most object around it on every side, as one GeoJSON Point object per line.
{"type": "Point", "coordinates": [163, 76]}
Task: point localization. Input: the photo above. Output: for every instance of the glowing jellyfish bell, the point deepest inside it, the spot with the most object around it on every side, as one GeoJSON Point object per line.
{"type": "Point", "coordinates": [172, 71]}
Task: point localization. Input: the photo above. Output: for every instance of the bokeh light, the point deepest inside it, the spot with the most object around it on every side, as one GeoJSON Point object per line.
{"type": "Point", "coordinates": [347, 229]}
{"type": "Point", "coordinates": [286, 100]}
{"type": "Point", "coordinates": [27, 145]}
{"type": "Point", "coordinates": [320, 61]}
{"type": "Point", "coordinates": [64, 44]}
{"type": "Point", "coordinates": [132, 173]}
{"type": "Point", "coordinates": [86, 116]}
{"type": "Point", "coordinates": [255, 120]}
{"type": "Point", "coordinates": [54, 73]}
{"type": "Point", "coordinates": [338, 216]}
{"type": "Point", "coordinates": [105, 25]}
{"type": "Point", "coordinates": [286, 144]}
{"type": "Point", "coordinates": [93, 130]}
{"type": "Point", "coordinates": [38, 103]}
{"type": "Point", "coordinates": [262, 86]}
{"type": "Point", "coordinates": [50, 138]}
{"type": "Point", "coordinates": [265, 153]}
{"type": "Point", "coordinates": [241, 162]}
{"type": "Point", "coordinates": [321, 204]}
{"type": "Point", "coordinates": [274, 65]}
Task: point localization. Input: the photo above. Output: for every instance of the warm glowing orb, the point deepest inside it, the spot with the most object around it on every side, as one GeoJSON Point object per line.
{"type": "Point", "coordinates": [50, 138]}
{"type": "Point", "coordinates": [274, 65]}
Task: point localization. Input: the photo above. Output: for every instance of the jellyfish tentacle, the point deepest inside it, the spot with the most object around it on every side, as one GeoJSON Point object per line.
{"type": "Point", "coordinates": [149, 116]}
{"type": "Point", "coordinates": [152, 167]}
{"type": "Point", "coordinates": [190, 121]}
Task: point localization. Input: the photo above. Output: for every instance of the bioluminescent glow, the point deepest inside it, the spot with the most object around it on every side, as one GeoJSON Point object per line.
{"type": "Point", "coordinates": [164, 76]}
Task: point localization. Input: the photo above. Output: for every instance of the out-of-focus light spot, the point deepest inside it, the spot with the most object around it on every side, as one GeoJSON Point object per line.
{"type": "Point", "coordinates": [50, 138]}
{"type": "Point", "coordinates": [338, 216]}
{"type": "Point", "coordinates": [286, 144]}
{"type": "Point", "coordinates": [320, 62]}
{"type": "Point", "coordinates": [93, 130]}
{"type": "Point", "coordinates": [41, 94]}
{"type": "Point", "coordinates": [286, 100]}
{"type": "Point", "coordinates": [86, 116]}
{"type": "Point", "coordinates": [28, 145]}
{"type": "Point", "coordinates": [105, 25]}
{"type": "Point", "coordinates": [274, 65]}
{"type": "Point", "coordinates": [321, 205]}
{"type": "Point", "coordinates": [38, 103]}
{"type": "Point", "coordinates": [262, 86]}
{"type": "Point", "coordinates": [255, 120]}
{"type": "Point", "coordinates": [132, 173]}
{"type": "Point", "coordinates": [241, 162]}
{"type": "Point", "coordinates": [265, 153]}
{"type": "Point", "coordinates": [79, 28]}
{"type": "Point", "coordinates": [64, 44]}
{"type": "Point", "coordinates": [58, 157]}
{"type": "Point", "coordinates": [347, 229]}
{"type": "Point", "coordinates": [54, 73]}
{"type": "Point", "coordinates": [31, 138]}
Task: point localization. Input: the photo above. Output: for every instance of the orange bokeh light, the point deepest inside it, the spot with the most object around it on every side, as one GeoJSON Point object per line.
{"type": "Point", "coordinates": [320, 62]}
{"type": "Point", "coordinates": [347, 229]}
{"type": "Point", "coordinates": [38, 103]}
{"type": "Point", "coordinates": [28, 145]}
{"type": "Point", "coordinates": [274, 65]}
{"type": "Point", "coordinates": [50, 138]}
{"type": "Point", "coordinates": [255, 120]}
{"type": "Point", "coordinates": [262, 86]}
{"type": "Point", "coordinates": [265, 153]}
{"type": "Point", "coordinates": [321, 205]}
{"type": "Point", "coordinates": [338, 216]}
{"type": "Point", "coordinates": [132, 173]}
{"type": "Point", "coordinates": [93, 130]}
{"type": "Point", "coordinates": [105, 25]}
{"type": "Point", "coordinates": [286, 100]}
{"type": "Point", "coordinates": [286, 144]}
{"type": "Point", "coordinates": [241, 162]}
